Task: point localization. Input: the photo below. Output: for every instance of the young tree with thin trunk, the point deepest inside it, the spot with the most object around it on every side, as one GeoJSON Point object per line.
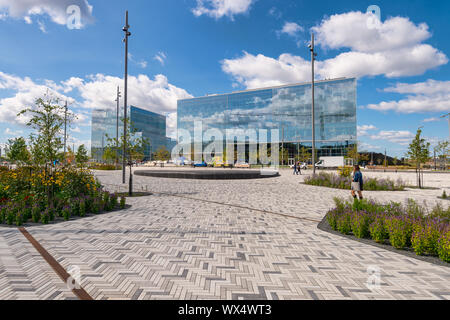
{"type": "Point", "coordinates": [419, 153]}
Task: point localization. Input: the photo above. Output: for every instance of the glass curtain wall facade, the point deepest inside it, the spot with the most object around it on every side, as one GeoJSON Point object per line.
{"type": "Point", "coordinates": [285, 108]}
{"type": "Point", "coordinates": [149, 125]}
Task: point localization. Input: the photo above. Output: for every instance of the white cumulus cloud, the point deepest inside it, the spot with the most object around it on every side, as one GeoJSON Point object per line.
{"type": "Point", "coordinates": [401, 137]}
{"type": "Point", "coordinates": [55, 9]}
{"type": "Point", "coordinates": [364, 130]}
{"type": "Point", "coordinates": [96, 91]}
{"type": "Point", "coordinates": [291, 29]}
{"type": "Point", "coordinates": [428, 96]}
{"type": "Point", "coordinates": [220, 8]}
{"type": "Point", "coordinates": [394, 49]}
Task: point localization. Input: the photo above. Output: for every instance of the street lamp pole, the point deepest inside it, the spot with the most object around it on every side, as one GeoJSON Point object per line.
{"type": "Point", "coordinates": [65, 130]}
{"type": "Point", "coordinates": [445, 116]}
{"type": "Point", "coordinates": [313, 58]}
{"type": "Point", "coordinates": [124, 158]}
{"type": "Point", "coordinates": [117, 125]}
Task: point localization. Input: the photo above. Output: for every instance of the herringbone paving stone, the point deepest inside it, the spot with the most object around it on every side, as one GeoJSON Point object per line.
{"type": "Point", "coordinates": [24, 274]}
{"type": "Point", "coordinates": [195, 240]}
{"type": "Point", "coordinates": [209, 251]}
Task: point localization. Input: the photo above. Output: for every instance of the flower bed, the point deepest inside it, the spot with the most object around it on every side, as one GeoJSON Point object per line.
{"type": "Point", "coordinates": [39, 195]}
{"type": "Point", "coordinates": [104, 167]}
{"type": "Point", "coordinates": [402, 226]}
{"type": "Point", "coordinates": [332, 180]}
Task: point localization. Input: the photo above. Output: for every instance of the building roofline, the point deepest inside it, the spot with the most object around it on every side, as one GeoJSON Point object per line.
{"type": "Point", "coordinates": [269, 88]}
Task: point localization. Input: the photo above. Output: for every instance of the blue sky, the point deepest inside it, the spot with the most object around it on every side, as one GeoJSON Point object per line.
{"type": "Point", "coordinates": [183, 48]}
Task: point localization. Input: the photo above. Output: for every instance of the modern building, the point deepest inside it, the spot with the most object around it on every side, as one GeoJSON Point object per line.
{"type": "Point", "coordinates": [146, 124]}
{"type": "Point", "coordinates": [285, 108]}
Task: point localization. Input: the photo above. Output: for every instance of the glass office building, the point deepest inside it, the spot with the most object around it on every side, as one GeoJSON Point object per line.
{"type": "Point", "coordinates": [284, 108]}
{"type": "Point", "coordinates": [149, 125]}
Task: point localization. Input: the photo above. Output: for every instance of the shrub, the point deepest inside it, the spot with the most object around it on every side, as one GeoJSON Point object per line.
{"type": "Point", "coordinates": [425, 236]}
{"type": "Point", "coordinates": [122, 202]}
{"type": "Point", "coordinates": [444, 246]}
{"type": "Point", "coordinates": [10, 216]}
{"type": "Point", "coordinates": [45, 217]}
{"type": "Point", "coordinates": [400, 231]}
{"type": "Point", "coordinates": [36, 213]}
{"type": "Point", "coordinates": [444, 195]}
{"type": "Point", "coordinates": [66, 213]}
{"type": "Point", "coordinates": [378, 230]}
{"type": "Point", "coordinates": [331, 180]}
{"type": "Point", "coordinates": [360, 222]}
{"type": "Point", "coordinates": [51, 213]}
{"type": "Point", "coordinates": [107, 201]}
{"type": "Point", "coordinates": [345, 171]}
{"type": "Point", "coordinates": [344, 223]}
{"type": "Point", "coordinates": [96, 206]}
{"type": "Point", "coordinates": [82, 207]}
{"type": "Point", "coordinates": [19, 218]}
{"type": "Point", "coordinates": [2, 214]}
{"type": "Point", "coordinates": [332, 217]}
{"type": "Point", "coordinates": [75, 207]}
{"type": "Point", "coordinates": [113, 201]}
{"type": "Point", "coordinates": [26, 213]}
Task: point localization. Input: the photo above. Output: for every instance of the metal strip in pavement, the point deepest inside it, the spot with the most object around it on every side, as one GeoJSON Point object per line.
{"type": "Point", "coordinates": [60, 271]}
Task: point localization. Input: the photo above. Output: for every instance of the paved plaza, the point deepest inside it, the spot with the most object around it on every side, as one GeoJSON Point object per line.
{"type": "Point", "coordinates": [201, 239]}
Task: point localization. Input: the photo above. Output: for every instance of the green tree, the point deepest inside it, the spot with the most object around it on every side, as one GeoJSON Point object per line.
{"type": "Point", "coordinates": [352, 153]}
{"type": "Point", "coordinates": [395, 161]}
{"type": "Point", "coordinates": [47, 119]}
{"type": "Point", "coordinates": [81, 156]}
{"type": "Point", "coordinates": [419, 153]}
{"type": "Point", "coordinates": [162, 154]}
{"type": "Point", "coordinates": [443, 150]}
{"type": "Point", "coordinates": [18, 151]}
{"type": "Point", "coordinates": [305, 154]}
{"type": "Point", "coordinates": [135, 145]}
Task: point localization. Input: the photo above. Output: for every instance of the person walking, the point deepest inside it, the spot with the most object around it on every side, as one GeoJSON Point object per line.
{"type": "Point", "coordinates": [295, 168]}
{"type": "Point", "coordinates": [299, 168]}
{"type": "Point", "coordinates": [357, 183]}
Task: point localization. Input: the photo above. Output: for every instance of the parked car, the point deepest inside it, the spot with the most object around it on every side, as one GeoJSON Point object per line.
{"type": "Point", "coordinates": [202, 164]}
{"type": "Point", "coordinates": [242, 165]}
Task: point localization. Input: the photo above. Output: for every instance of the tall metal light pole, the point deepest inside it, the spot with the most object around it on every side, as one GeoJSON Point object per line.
{"type": "Point", "coordinates": [313, 58]}
{"type": "Point", "coordinates": [124, 158]}
{"type": "Point", "coordinates": [445, 116]}
{"type": "Point", "coordinates": [65, 130]}
{"type": "Point", "coordinates": [117, 125]}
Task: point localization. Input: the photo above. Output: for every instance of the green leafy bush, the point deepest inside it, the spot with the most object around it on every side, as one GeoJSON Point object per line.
{"type": "Point", "coordinates": [332, 180]}
{"type": "Point", "coordinates": [122, 202]}
{"type": "Point", "coordinates": [378, 230]}
{"type": "Point", "coordinates": [66, 213]}
{"type": "Point", "coordinates": [344, 223]}
{"type": "Point", "coordinates": [332, 218]}
{"type": "Point", "coordinates": [45, 217]}
{"type": "Point", "coordinates": [444, 246]}
{"type": "Point", "coordinates": [19, 219]}
{"type": "Point", "coordinates": [404, 225]}
{"type": "Point", "coordinates": [360, 223]}
{"type": "Point", "coordinates": [36, 213]}
{"type": "Point", "coordinates": [425, 236]}
{"type": "Point", "coordinates": [400, 231]}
